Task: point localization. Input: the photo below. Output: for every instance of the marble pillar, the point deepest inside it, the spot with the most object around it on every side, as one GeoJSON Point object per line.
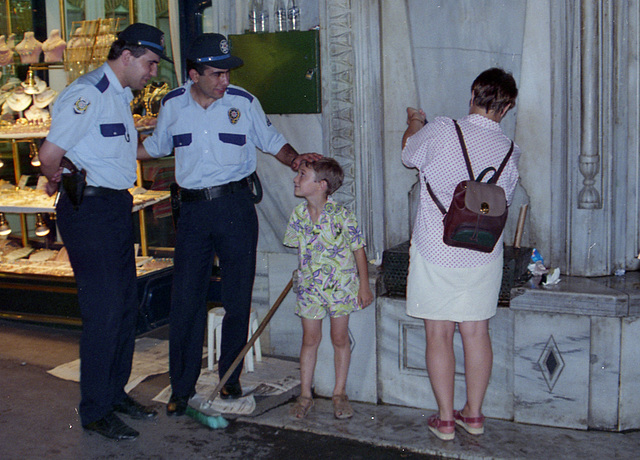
{"type": "Point", "coordinates": [595, 178]}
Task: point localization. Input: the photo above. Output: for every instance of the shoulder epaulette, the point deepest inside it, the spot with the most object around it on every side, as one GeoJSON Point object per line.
{"type": "Point", "coordinates": [239, 92]}
{"type": "Point", "coordinates": [103, 84]}
{"type": "Point", "coordinates": [172, 94]}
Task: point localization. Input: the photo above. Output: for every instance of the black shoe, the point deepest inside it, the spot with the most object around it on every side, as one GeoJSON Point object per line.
{"type": "Point", "coordinates": [134, 409]}
{"type": "Point", "coordinates": [110, 426]}
{"type": "Point", "coordinates": [177, 405]}
{"type": "Point", "coordinates": [231, 391]}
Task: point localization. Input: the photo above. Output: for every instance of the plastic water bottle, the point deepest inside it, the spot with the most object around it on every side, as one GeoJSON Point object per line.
{"type": "Point", "coordinates": [280, 13]}
{"type": "Point", "coordinates": [255, 9]}
{"type": "Point", "coordinates": [263, 24]}
{"type": "Point", "coordinates": [293, 15]}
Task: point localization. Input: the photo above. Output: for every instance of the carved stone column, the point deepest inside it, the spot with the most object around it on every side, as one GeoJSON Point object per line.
{"type": "Point", "coordinates": [590, 74]}
{"type": "Point", "coordinates": [595, 151]}
{"type": "Point", "coordinates": [352, 108]}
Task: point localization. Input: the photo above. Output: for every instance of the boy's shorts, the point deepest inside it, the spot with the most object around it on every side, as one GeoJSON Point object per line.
{"type": "Point", "coordinates": [314, 304]}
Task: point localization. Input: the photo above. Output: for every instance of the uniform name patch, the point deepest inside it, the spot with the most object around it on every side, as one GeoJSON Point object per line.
{"type": "Point", "coordinates": [234, 115]}
{"type": "Point", "coordinates": [81, 106]}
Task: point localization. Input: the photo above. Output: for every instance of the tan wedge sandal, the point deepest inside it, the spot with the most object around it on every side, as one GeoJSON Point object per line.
{"type": "Point", "coordinates": [341, 407]}
{"type": "Point", "coordinates": [301, 407]}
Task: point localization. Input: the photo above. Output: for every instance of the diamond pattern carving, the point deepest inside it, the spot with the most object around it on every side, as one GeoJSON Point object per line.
{"type": "Point", "coordinates": [551, 363]}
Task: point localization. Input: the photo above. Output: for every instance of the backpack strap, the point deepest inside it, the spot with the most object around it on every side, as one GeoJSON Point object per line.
{"type": "Point", "coordinates": [493, 179]}
{"type": "Point", "coordinates": [435, 198]}
{"type": "Point", "coordinates": [496, 176]}
{"type": "Point", "coordinates": [464, 150]}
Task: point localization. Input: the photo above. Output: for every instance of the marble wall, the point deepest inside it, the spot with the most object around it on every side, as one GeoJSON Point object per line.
{"type": "Point", "coordinates": [564, 356]}
{"type": "Point", "coordinates": [403, 378]}
{"type": "Point", "coordinates": [575, 353]}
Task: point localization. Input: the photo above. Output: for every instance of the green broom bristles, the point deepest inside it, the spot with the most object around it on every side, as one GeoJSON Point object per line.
{"type": "Point", "coordinates": [211, 421]}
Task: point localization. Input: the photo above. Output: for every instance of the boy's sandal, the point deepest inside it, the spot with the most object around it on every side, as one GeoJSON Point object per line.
{"type": "Point", "coordinates": [301, 407]}
{"type": "Point", "coordinates": [435, 423]}
{"type": "Point", "coordinates": [341, 407]}
{"type": "Point", "coordinates": [465, 422]}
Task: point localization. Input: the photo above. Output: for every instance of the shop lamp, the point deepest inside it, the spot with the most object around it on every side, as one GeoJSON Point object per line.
{"type": "Point", "coordinates": [41, 227]}
{"type": "Point", "coordinates": [4, 225]}
{"type": "Point", "coordinates": [35, 159]}
{"type": "Point", "coordinates": [1, 163]}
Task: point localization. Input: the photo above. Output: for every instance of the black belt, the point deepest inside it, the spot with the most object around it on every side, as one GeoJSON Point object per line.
{"type": "Point", "coordinates": [92, 190]}
{"type": "Point", "coordinates": [211, 193]}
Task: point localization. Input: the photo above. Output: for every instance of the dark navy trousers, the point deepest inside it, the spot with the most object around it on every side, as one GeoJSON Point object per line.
{"type": "Point", "coordinates": [99, 239]}
{"type": "Point", "coordinates": [226, 226]}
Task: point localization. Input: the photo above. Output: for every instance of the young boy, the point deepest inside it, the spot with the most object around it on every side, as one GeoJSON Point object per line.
{"type": "Point", "coordinates": [333, 277]}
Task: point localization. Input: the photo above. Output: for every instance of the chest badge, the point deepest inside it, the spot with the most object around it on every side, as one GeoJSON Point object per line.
{"type": "Point", "coordinates": [81, 106]}
{"type": "Point", "coordinates": [234, 115]}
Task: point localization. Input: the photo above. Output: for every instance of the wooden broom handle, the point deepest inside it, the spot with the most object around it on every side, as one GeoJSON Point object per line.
{"type": "Point", "coordinates": [251, 341]}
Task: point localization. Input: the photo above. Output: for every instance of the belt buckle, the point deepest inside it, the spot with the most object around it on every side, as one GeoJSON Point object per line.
{"type": "Point", "coordinates": [207, 193]}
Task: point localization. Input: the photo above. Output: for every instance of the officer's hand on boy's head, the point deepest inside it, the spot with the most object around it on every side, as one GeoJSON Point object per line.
{"type": "Point", "coordinates": [308, 157]}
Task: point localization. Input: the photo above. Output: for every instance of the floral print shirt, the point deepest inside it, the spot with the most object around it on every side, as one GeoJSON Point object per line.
{"type": "Point", "coordinates": [327, 272]}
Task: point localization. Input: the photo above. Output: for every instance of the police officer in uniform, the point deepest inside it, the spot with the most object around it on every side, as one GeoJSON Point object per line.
{"type": "Point", "coordinates": [214, 128]}
{"type": "Point", "coordinates": [92, 126]}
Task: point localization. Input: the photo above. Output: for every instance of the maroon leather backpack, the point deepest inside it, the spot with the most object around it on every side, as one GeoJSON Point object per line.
{"type": "Point", "coordinates": [478, 212]}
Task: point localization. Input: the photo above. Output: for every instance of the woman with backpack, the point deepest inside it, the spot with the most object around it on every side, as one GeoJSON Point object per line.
{"type": "Point", "coordinates": [450, 286]}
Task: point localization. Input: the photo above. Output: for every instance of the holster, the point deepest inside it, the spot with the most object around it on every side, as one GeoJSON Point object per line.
{"type": "Point", "coordinates": [256, 187]}
{"type": "Point", "coordinates": [73, 182]}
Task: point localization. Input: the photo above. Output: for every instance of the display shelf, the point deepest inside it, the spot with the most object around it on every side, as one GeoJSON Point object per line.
{"type": "Point", "coordinates": [36, 134]}
{"type": "Point", "coordinates": [54, 299]}
{"type": "Point", "coordinates": [34, 201]}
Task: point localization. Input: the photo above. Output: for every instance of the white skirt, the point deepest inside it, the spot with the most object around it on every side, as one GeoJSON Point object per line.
{"type": "Point", "coordinates": [452, 294]}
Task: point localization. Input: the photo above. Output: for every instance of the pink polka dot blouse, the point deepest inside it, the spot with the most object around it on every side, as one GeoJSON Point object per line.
{"type": "Point", "coordinates": [435, 151]}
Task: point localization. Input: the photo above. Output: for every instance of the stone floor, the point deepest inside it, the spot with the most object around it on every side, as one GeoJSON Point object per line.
{"type": "Point", "coordinates": [38, 419]}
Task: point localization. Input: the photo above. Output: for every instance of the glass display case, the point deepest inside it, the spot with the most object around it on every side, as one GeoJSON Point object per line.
{"type": "Point", "coordinates": [36, 280]}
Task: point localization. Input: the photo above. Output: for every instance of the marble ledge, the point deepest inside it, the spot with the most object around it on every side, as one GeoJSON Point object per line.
{"type": "Point", "coordinates": [609, 296]}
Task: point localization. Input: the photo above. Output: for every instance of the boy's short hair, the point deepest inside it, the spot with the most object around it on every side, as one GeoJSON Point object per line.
{"type": "Point", "coordinates": [494, 89]}
{"type": "Point", "coordinates": [330, 171]}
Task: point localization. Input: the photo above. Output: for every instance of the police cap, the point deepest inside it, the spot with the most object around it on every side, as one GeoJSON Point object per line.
{"type": "Point", "coordinates": [213, 50]}
{"type": "Point", "coordinates": [145, 35]}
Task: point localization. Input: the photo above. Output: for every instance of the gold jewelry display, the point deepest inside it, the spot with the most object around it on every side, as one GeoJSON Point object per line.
{"type": "Point", "coordinates": [6, 53]}
{"type": "Point", "coordinates": [33, 84]}
{"type": "Point", "coordinates": [19, 101]}
{"type": "Point", "coordinates": [34, 113]}
{"type": "Point", "coordinates": [29, 49]}
{"type": "Point", "coordinates": [153, 98]}
{"type": "Point", "coordinates": [45, 98]}
{"type": "Point", "coordinates": [54, 47]}
{"type": "Point", "coordinates": [11, 83]}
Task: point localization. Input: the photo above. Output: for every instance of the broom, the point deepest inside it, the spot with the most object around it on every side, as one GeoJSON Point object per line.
{"type": "Point", "coordinates": [217, 420]}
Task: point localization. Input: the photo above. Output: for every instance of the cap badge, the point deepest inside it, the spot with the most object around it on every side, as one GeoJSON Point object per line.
{"type": "Point", "coordinates": [234, 115]}
{"type": "Point", "coordinates": [81, 106]}
{"type": "Point", "coordinates": [224, 46]}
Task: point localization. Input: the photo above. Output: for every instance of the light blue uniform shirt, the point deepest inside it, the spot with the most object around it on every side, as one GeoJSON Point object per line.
{"type": "Point", "coordinates": [216, 145]}
{"type": "Point", "coordinates": [92, 121]}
